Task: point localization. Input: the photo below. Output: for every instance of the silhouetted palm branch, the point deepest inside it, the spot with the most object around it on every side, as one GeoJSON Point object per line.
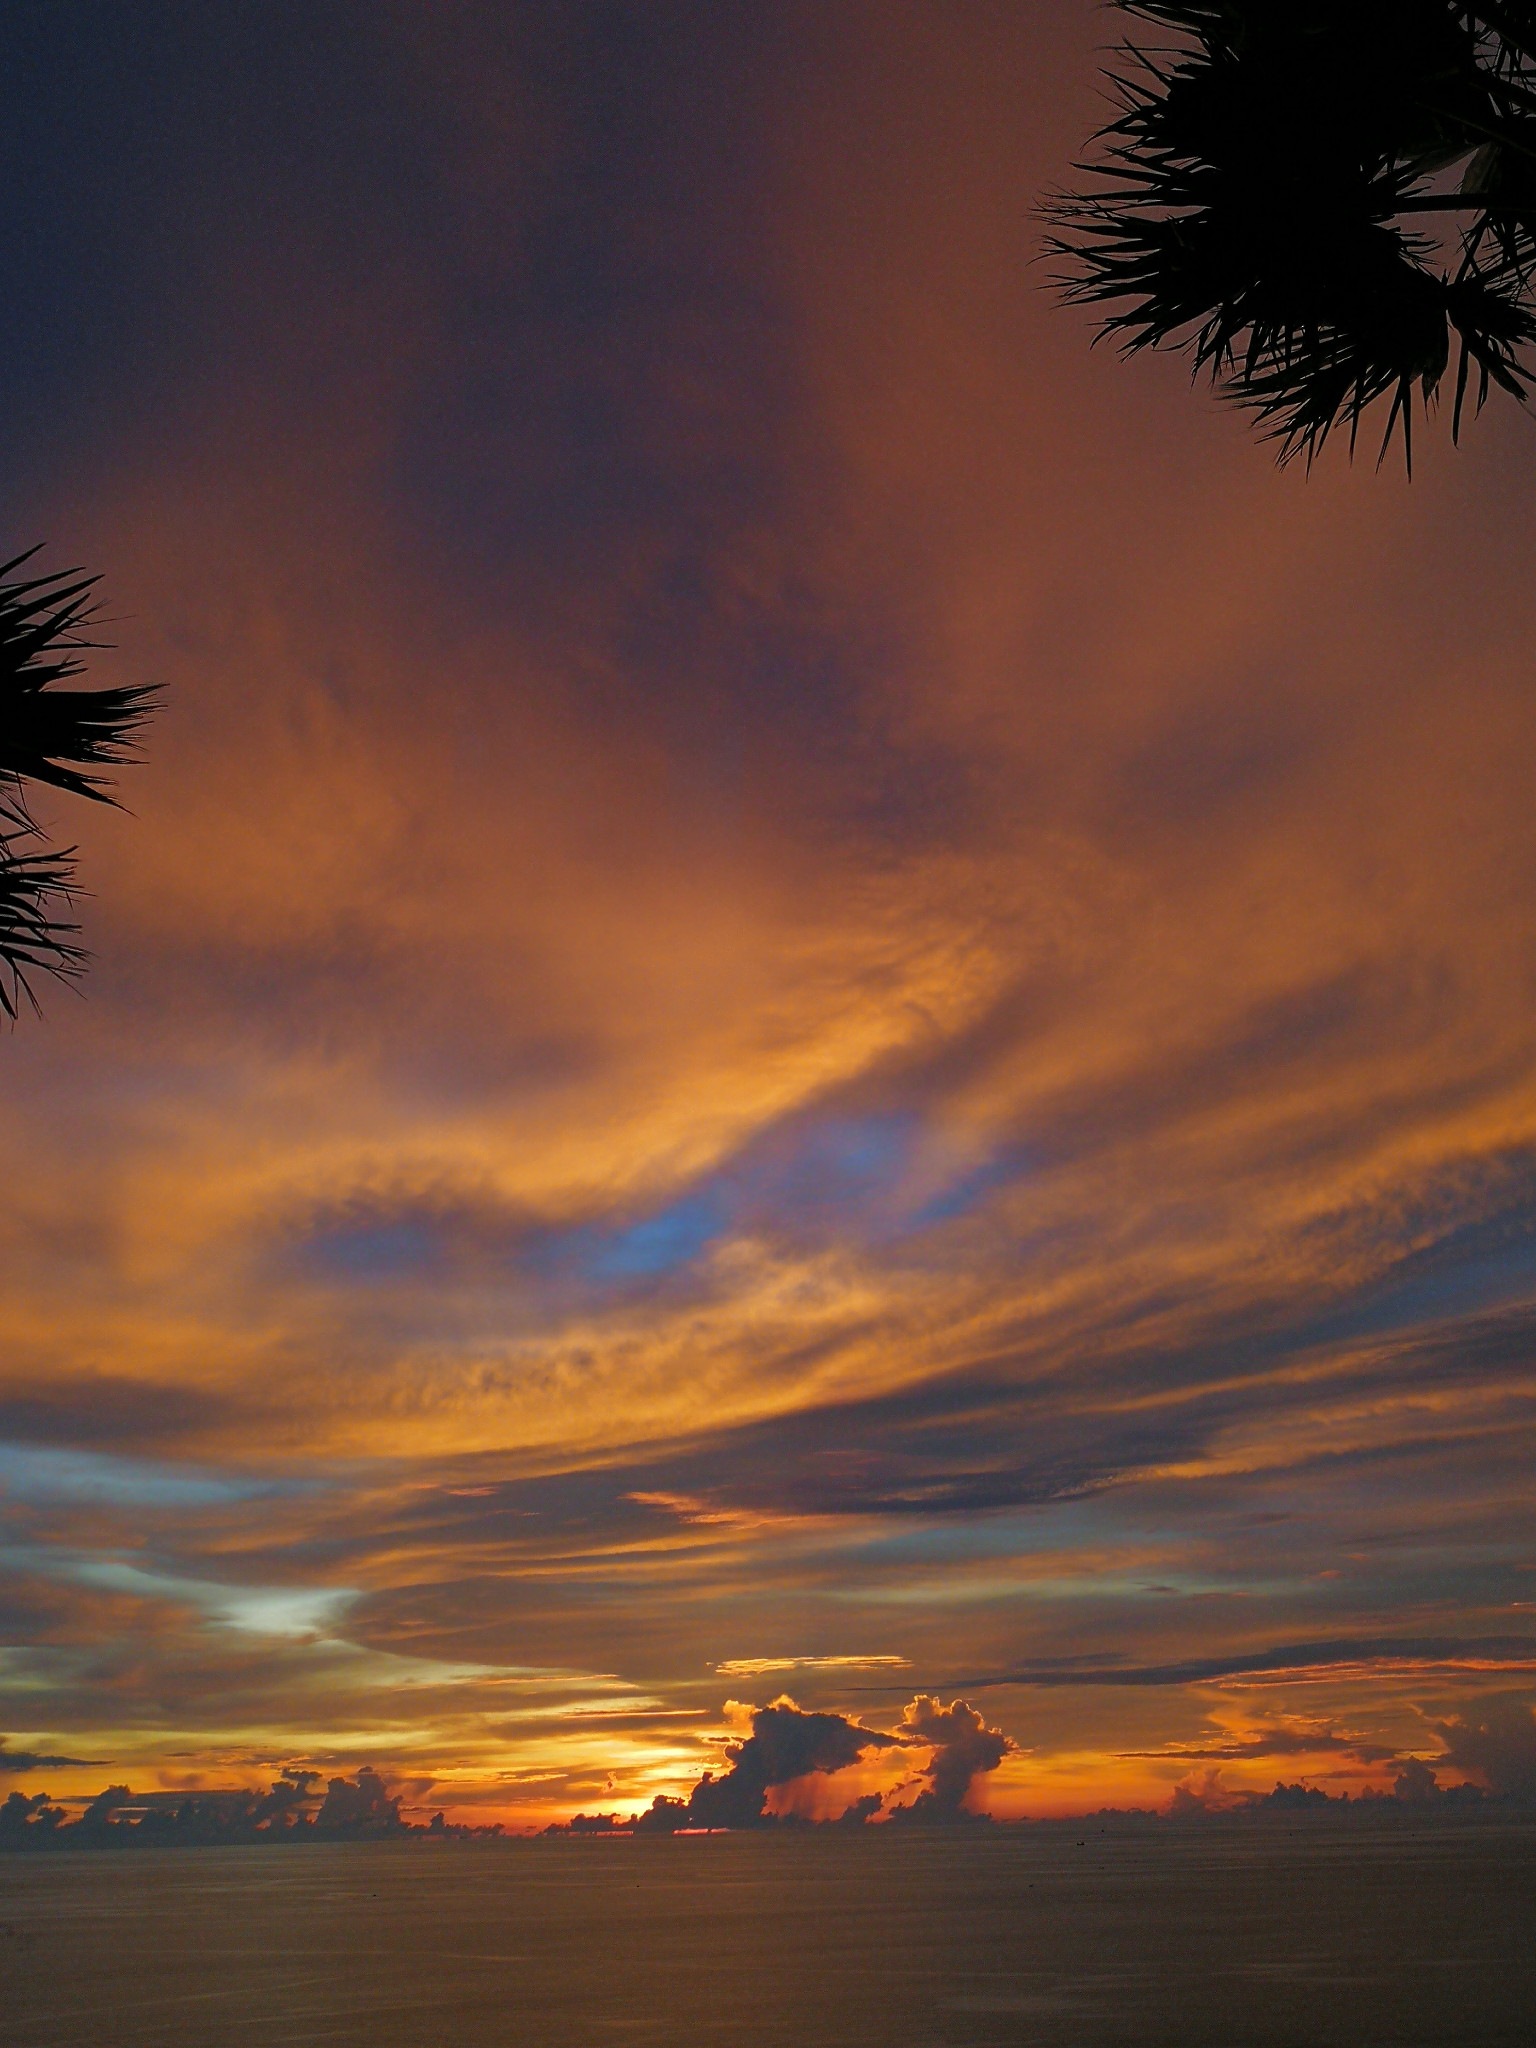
{"type": "Point", "coordinates": [54, 736]}
{"type": "Point", "coordinates": [1257, 182]}
{"type": "Point", "coordinates": [34, 938]}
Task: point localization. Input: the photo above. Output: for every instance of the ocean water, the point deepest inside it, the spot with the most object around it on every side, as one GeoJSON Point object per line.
{"type": "Point", "coordinates": [1202, 1938]}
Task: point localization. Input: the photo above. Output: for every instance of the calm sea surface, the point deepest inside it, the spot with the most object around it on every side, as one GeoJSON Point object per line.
{"type": "Point", "coordinates": [869, 1940]}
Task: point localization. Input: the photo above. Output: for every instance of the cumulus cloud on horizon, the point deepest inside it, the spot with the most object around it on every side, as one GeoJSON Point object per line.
{"type": "Point", "coordinates": [1494, 1739]}
{"type": "Point", "coordinates": [788, 1745]}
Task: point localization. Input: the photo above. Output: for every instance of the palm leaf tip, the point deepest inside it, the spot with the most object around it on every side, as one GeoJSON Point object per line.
{"type": "Point", "coordinates": [36, 937]}
{"type": "Point", "coordinates": [61, 737]}
{"type": "Point", "coordinates": [1254, 197]}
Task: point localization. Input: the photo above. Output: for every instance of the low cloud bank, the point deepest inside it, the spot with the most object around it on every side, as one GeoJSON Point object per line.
{"type": "Point", "coordinates": [1491, 1746]}
{"type": "Point", "coordinates": [291, 1810]}
{"type": "Point", "coordinates": [1494, 1742]}
{"type": "Point", "coordinates": [787, 1745]}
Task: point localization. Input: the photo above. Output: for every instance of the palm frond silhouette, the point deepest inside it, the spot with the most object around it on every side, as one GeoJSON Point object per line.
{"type": "Point", "coordinates": [1264, 196]}
{"type": "Point", "coordinates": [59, 737]}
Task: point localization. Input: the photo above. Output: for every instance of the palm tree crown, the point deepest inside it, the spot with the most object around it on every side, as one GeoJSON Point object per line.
{"type": "Point", "coordinates": [1265, 189]}
{"type": "Point", "coordinates": [55, 736]}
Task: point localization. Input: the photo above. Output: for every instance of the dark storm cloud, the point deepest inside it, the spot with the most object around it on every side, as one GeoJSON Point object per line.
{"type": "Point", "coordinates": [785, 1744]}
{"type": "Point", "coordinates": [963, 1749]}
{"type": "Point", "coordinates": [1495, 1739]}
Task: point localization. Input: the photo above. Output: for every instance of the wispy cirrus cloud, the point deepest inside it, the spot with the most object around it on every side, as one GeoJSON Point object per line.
{"type": "Point", "coordinates": [1345, 1657]}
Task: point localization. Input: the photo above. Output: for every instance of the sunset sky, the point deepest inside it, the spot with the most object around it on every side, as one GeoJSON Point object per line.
{"type": "Point", "coordinates": [810, 992]}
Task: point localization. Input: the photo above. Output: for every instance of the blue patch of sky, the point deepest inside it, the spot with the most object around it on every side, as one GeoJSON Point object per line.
{"type": "Point", "coordinates": [295, 1610]}
{"type": "Point", "coordinates": [256, 1610]}
{"type": "Point", "coordinates": [670, 1240]}
{"type": "Point", "coordinates": [375, 1250]}
{"type": "Point", "coordinates": [844, 1160]}
{"type": "Point", "coordinates": [835, 1175]}
{"type": "Point", "coordinates": [971, 1189]}
{"type": "Point", "coordinates": [839, 1165]}
{"type": "Point", "coordinates": [858, 1172]}
{"type": "Point", "coordinates": [39, 1474]}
